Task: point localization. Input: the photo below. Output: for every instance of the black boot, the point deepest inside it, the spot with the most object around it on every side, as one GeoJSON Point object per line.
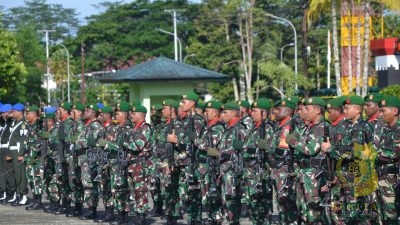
{"type": "Point", "coordinates": [53, 207]}
{"type": "Point", "coordinates": [38, 204]}
{"type": "Point", "coordinates": [33, 202]}
{"type": "Point", "coordinates": [108, 216]}
{"type": "Point", "coordinates": [171, 220]}
{"type": "Point", "coordinates": [64, 208]}
{"type": "Point", "coordinates": [121, 219]}
{"type": "Point", "coordinates": [141, 219]}
{"type": "Point", "coordinates": [77, 210]}
{"type": "Point", "coordinates": [89, 215]}
{"type": "Point", "coordinates": [156, 212]}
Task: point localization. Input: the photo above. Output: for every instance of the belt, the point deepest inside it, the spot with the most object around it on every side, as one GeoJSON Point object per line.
{"type": "Point", "coordinates": [12, 148]}
{"type": "Point", "coordinates": [384, 170]}
{"type": "Point", "coordinates": [312, 163]}
{"type": "Point", "coordinates": [4, 145]}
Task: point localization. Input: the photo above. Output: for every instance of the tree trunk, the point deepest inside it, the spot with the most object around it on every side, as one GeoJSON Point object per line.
{"type": "Point", "coordinates": [336, 49]}
{"type": "Point", "coordinates": [305, 45]}
{"type": "Point", "coordinates": [318, 76]}
{"type": "Point", "coordinates": [349, 48]}
{"type": "Point", "coordinates": [235, 89]}
{"type": "Point", "coordinates": [358, 57]}
{"type": "Point", "coordinates": [366, 50]}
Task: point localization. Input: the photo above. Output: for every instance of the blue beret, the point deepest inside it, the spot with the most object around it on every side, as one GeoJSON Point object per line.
{"type": "Point", "coordinates": [50, 109]}
{"type": "Point", "coordinates": [5, 108]}
{"type": "Point", "coordinates": [18, 107]}
{"type": "Point", "coordinates": [100, 105]}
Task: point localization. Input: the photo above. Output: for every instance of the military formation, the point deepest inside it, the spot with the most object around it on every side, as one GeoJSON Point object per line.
{"type": "Point", "coordinates": [298, 161]}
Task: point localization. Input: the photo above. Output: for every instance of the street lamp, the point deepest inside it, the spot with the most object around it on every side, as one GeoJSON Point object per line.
{"type": "Point", "coordinates": [190, 55]}
{"type": "Point", "coordinates": [283, 47]}
{"type": "Point", "coordinates": [69, 92]}
{"type": "Point", "coordinates": [295, 40]}
{"type": "Point", "coordinates": [179, 40]}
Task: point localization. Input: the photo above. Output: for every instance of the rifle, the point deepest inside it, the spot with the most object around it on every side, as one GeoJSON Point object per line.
{"type": "Point", "coordinates": [260, 153]}
{"type": "Point", "coordinates": [169, 147]}
{"type": "Point", "coordinates": [326, 202]}
{"type": "Point", "coordinates": [193, 182]}
{"type": "Point", "coordinates": [215, 198]}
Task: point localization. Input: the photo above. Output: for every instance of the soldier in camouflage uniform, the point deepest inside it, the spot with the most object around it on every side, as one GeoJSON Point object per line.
{"type": "Point", "coordinates": [279, 159]}
{"type": "Point", "coordinates": [88, 157]}
{"type": "Point", "coordinates": [74, 170]}
{"type": "Point", "coordinates": [166, 152]}
{"type": "Point", "coordinates": [139, 151]}
{"type": "Point", "coordinates": [371, 110]}
{"type": "Point", "coordinates": [229, 152]}
{"type": "Point", "coordinates": [189, 185]}
{"type": "Point", "coordinates": [389, 161]}
{"type": "Point", "coordinates": [353, 208]}
{"type": "Point", "coordinates": [109, 128]}
{"type": "Point", "coordinates": [208, 167]}
{"type": "Point", "coordinates": [34, 156]}
{"type": "Point", "coordinates": [118, 161]}
{"type": "Point", "coordinates": [311, 159]}
{"type": "Point", "coordinates": [256, 187]}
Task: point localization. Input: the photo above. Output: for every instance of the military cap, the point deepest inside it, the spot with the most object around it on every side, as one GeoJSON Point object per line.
{"type": "Point", "coordinates": [261, 103]}
{"type": "Point", "coordinates": [50, 116]}
{"type": "Point", "coordinates": [122, 107]}
{"type": "Point", "coordinates": [286, 103]}
{"type": "Point", "coordinates": [230, 106]}
{"type": "Point", "coordinates": [50, 109]}
{"type": "Point", "coordinates": [170, 102]}
{"type": "Point", "coordinates": [200, 105]}
{"type": "Point", "coordinates": [93, 106]}
{"type": "Point", "coordinates": [376, 97]}
{"type": "Point", "coordinates": [32, 108]}
{"type": "Point", "coordinates": [334, 103]}
{"type": "Point", "coordinates": [214, 104]}
{"type": "Point", "coordinates": [139, 108]}
{"type": "Point", "coordinates": [315, 101]}
{"type": "Point", "coordinates": [156, 107]}
{"type": "Point", "coordinates": [390, 101]}
{"type": "Point", "coordinates": [106, 109]}
{"type": "Point", "coordinates": [135, 103]}
{"type": "Point", "coordinates": [354, 100]}
{"type": "Point", "coordinates": [294, 99]}
{"type": "Point", "coordinates": [191, 96]}
{"type": "Point", "coordinates": [244, 103]}
{"type": "Point", "coordinates": [66, 105]}
{"type": "Point", "coordinates": [5, 108]}
{"type": "Point", "coordinates": [79, 106]}
{"type": "Point", "coordinates": [18, 107]}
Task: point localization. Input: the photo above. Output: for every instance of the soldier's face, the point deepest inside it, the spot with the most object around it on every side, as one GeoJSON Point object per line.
{"type": "Point", "coordinates": [186, 105]}
{"type": "Point", "coordinates": [227, 115]}
{"type": "Point", "coordinates": [351, 111]}
{"type": "Point", "coordinates": [31, 117]}
{"type": "Point", "coordinates": [312, 113]}
{"type": "Point", "coordinates": [49, 123]}
{"type": "Point", "coordinates": [211, 114]}
{"type": "Point", "coordinates": [389, 114]}
{"type": "Point", "coordinates": [120, 117]}
{"type": "Point", "coordinates": [281, 113]}
{"type": "Point", "coordinates": [301, 111]}
{"type": "Point", "coordinates": [76, 114]}
{"type": "Point", "coordinates": [166, 111]}
{"type": "Point", "coordinates": [370, 109]}
{"type": "Point", "coordinates": [333, 114]}
{"type": "Point", "coordinates": [256, 114]}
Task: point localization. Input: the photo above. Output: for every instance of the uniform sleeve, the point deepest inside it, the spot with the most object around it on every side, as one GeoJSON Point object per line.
{"type": "Point", "coordinates": [138, 140]}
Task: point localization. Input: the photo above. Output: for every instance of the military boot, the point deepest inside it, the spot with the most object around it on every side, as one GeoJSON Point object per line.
{"type": "Point", "coordinates": [54, 205]}
{"type": "Point", "coordinates": [157, 211]}
{"type": "Point", "coordinates": [12, 198]}
{"type": "Point", "coordinates": [33, 202]}
{"type": "Point", "coordinates": [171, 220]}
{"type": "Point", "coordinates": [77, 210]}
{"type": "Point", "coordinates": [108, 216]}
{"type": "Point", "coordinates": [64, 208]}
{"type": "Point", "coordinates": [3, 196]}
{"type": "Point", "coordinates": [38, 204]}
{"type": "Point", "coordinates": [141, 219]}
{"type": "Point", "coordinates": [121, 219]}
{"type": "Point", "coordinates": [89, 215]}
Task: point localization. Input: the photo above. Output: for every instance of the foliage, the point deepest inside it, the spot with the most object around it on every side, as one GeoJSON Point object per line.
{"type": "Point", "coordinates": [392, 90]}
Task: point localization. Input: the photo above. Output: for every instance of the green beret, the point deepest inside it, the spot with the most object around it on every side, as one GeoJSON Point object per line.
{"type": "Point", "coordinates": [122, 107]}
{"type": "Point", "coordinates": [334, 103]}
{"type": "Point", "coordinates": [315, 101]}
{"type": "Point", "coordinates": [354, 100]}
{"type": "Point", "coordinates": [191, 96]}
{"type": "Point", "coordinates": [106, 109]}
{"type": "Point", "coordinates": [93, 106]}
{"type": "Point", "coordinates": [170, 102]}
{"type": "Point", "coordinates": [294, 99]}
{"type": "Point", "coordinates": [50, 116]}
{"type": "Point", "coordinates": [244, 103]}
{"type": "Point", "coordinates": [135, 103]}
{"type": "Point", "coordinates": [66, 105]}
{"type": "Point", "coordinates": [214, 104]}
{"type": "Point", "coordinates": [200, 105]}
{"type": "Point", "coordinates": [32, 108]}
{"type": "Point", "coordinates": [376, 97]}
{"type": "Point", "coordinates": [156, 107]}
{"type": "Point", "coordinates": [390, 101]}
{"type": "Point", "coordinates": [286, 103]}
{"type": "Point", "coordinates": [79, 106]}
{"type": "Point", "coordinates": [139, 108]}
{"type": "Point", "coordinates": [230, 106]}
{"type": "Point", "coordinates": [261, 103]}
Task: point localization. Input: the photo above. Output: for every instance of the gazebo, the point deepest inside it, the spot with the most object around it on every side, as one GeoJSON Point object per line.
{"type": "Point", "coordinates": [160, 78]}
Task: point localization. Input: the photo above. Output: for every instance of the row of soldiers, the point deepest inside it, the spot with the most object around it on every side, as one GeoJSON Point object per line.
{"type": "Point", "coordinates": [234, 156]}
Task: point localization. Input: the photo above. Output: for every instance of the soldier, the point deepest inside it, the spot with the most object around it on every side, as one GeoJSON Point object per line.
{"type": "Point", "coordinates": [255, 187]}
{"type": "Point", "coordinates": [200, 108]}
{"type": "Point", "coordinates": [33, 157]}
{"type": "Point", "coordinates": [5, 166]}
{"type": "Point", "coordinates": [166, 152]}
{"type": "Point", "coordinates": [113, 143]}
{"type": "Point", "coordinates": [389, 161]}
{"type": "Point", "coordinates": [109, 128]}
{"type": "Point", "coordinates": [231, 164]}
{"type": "Point", "coordinates": [15, 154]}
{"type": "Point", "coordinates": [88, 157]}
{"type": "Point", "coordinates": [280, 159]}
{"type": "Point", "coordinates": [139, 151]}
{"type": "Point", "coordinates": [371, 110]}
{"type": "Point", "coordinates": [208, 168]}
{"type": "Point", "coordinates": [74, 169]}
{"type": "Point", "coordinates": [245, 113]}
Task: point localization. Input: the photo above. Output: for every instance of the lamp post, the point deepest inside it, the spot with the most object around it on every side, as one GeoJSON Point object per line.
{"type": "Point", "coordinates": [179, 41]}
{"type": "Point", "coordinates": [295, 40]}
{"type": "Point", "coordinates": [68, 72]}
{"type": "Point", "coordinates": [283, 47]}
{"type": "Point", "coordinates": [190, 55]}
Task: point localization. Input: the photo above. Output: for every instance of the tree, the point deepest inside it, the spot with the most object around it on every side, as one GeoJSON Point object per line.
{"type": "Point", "coordinates": [392, 90]}
{"type": "Point", "coordinates": [12, 70]}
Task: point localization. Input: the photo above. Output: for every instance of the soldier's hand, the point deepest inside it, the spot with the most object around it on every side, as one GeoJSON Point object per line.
{"type": "Point", "coordinates": [191, 135]}
{"type": "Point", "coordinates": [326, 146]}
{"type": "Point", "coordinates": [263, 143]}
{"type": "Point", "coordinates": [101, 142]}
{"type": "Point", "coordinates": [237, 145]}
{"type": "Point", "coordinates": [74, 138]}
{"type": "Point", "coordinates": [291, 139]}
{"type": "Point", "coordinates": [213, 152]}
{"type": "Point", "coordinates": [20, 159]}
{"type": "Point", "coordinates": [44, 134]}
{"type": "Point", "coordinates": [172, 137]}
